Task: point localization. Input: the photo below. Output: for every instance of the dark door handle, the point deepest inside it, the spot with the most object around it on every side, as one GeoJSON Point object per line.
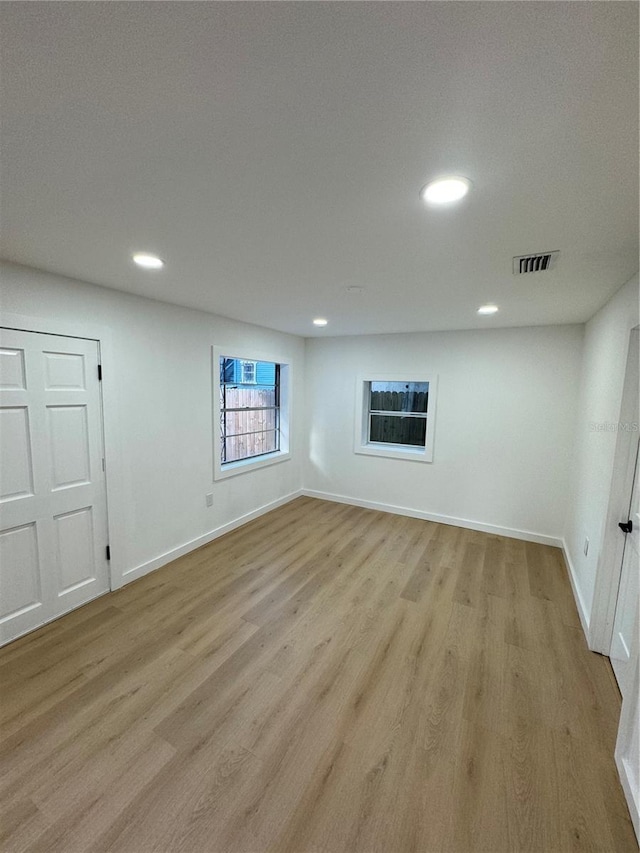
{"type": "Point", "coordinates": [626, 526]}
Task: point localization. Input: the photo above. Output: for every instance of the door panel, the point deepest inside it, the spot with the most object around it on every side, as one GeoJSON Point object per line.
{"type": "Point", "coordinates": [15, 452]}
{"type": "Point", "coordinates": [74, 539]}
{"type": "Point", "coordinates": [68, 434]}
{"type": "Point", "coordinates": [20, 591]}
{"type": "Point", "coordinates": [12, 374]}
{"type": "Point", "coordinates": [64, 370]}
{"type": "Point", "coordinates": [53, 518]}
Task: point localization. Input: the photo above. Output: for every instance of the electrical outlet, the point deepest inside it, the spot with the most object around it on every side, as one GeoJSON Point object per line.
{"type": "Point", "coordinates": [586, 545]}
{"type": "Point", "coordinates": [209, 499]}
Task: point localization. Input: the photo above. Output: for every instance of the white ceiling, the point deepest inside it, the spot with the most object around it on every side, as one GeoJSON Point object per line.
{"type": "Point", "coordinates": [272, 154]}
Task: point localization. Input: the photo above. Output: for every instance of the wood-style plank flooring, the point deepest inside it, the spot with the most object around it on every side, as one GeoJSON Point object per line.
{"type": "Point", "coordinates": [326, 678]}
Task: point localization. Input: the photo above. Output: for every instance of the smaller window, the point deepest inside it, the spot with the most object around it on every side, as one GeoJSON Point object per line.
{"type": "Point", "coordinates": [398, 413]}
{"type": "Point", "coordinates": [395, 417]}
{"type": "Point", "coordinates": [248, 372]}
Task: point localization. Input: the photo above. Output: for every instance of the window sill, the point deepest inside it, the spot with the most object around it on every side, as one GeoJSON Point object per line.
{"type": "Point", "coordinates": [419, 454]}
{"type": "Point", "coordinates": [242, 466]}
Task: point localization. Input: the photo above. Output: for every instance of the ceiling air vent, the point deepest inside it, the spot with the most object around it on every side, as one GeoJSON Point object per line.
{"type": "Point", "coordinates": [540, 262]}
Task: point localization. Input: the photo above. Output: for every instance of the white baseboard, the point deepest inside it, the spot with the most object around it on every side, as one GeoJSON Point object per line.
{"type": "Point", "coordinates": [630, 792]}
{"type": "Point", "coordinates": [510, 532]}
{"type": "Point", "coordinates": [577, 595]}
{"type": "Point", "coordinates": [151, 565]}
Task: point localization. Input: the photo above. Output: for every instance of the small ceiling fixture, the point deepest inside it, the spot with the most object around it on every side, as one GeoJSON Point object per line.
{"type": "Point", "coordinates": [147, 261]}
{"type": "Point", "coordinates": [320, 321]}
{"type": "Point", "coordinates": [488, 309]}
{"type": "Point", "coordinates": [445, 190]}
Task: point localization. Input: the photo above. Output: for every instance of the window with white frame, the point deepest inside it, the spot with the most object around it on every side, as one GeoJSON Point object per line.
{"type": "Point", "coordinates": [251, 405]}
{"type": "Point", "coordinates": [396, 416]}
{"type": "Point", "coordinates": [248, 372]}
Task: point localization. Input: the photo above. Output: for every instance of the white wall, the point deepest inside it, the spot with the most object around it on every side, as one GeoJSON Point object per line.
{"type": "Point", "coordinates": [606, 345]}
{"type": "Point", "coordinates": [503, 435]}
{"type": "Point", "coordinates": [158, 412]}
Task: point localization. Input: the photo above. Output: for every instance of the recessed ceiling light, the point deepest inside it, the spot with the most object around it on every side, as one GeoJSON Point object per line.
{"type": "Point", "coordinates": [445, 190]}
{"type": "Point", "coordinates": [148, 262]}
{"type": "Point", "coordinates": [320, 321]}
{"type": "Point", "coordinates": [487, 309]}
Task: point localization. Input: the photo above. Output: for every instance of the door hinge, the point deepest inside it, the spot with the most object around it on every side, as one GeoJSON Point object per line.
{"type": "Point", "coordinates": [108, 552]}
{"type": "Point", "coordinates": [99, 373]}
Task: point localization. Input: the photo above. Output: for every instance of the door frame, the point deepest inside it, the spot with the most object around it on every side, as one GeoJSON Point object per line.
{"type": "Point", "coordinates": [605, 592]}
{"type": "Point", "coordinates": [108, 418]}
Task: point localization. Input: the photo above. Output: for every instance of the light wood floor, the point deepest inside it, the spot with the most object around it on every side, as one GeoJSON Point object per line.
{"type": "Point", "coordinates": [324, 678]}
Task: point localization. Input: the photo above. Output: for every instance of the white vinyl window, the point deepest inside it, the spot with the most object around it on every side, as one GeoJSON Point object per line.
{"type": "Point", "coordinates": [395, 416]}
{"type": "Point", "coordinates": [248, 371]}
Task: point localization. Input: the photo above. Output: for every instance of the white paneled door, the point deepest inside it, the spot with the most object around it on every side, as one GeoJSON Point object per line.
{"type": "Point", "coordinates": [53, 509]}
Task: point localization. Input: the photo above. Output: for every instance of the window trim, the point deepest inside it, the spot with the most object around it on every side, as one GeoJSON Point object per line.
{"type": "Point", "coordinates": [362, 444]}
{"type": "Point", "coordinates": [221, 471]}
